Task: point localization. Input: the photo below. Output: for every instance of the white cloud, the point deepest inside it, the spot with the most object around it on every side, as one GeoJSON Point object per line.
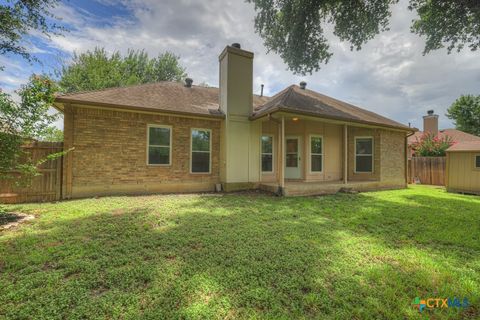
{"type": "Point", "coordinates": [389, 75]}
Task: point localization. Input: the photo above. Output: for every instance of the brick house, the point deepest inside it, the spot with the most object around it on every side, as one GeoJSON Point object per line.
{"type": "Point", "coordinates": [173, 137]}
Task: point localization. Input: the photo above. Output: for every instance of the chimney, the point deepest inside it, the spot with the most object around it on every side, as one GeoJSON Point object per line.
{"type": "Point", "coordinates": [430, 123]}
{"type": "Point", "coordinates": [303, 85]}
{"type": "Point", "coordinates": [261, 90]}
{"type": "Point", "coordinates": [188, 82]}
{"type": "Point", "coordinates": [239, 137]}
{"type": "Point", "coordinates": [236, 81]}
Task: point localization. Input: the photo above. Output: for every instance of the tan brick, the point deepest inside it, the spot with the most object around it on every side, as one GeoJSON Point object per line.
{"type": "Point", "coordinates": [111, 152]}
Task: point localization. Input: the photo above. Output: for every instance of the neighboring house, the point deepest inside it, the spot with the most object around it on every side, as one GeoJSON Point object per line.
{"type": "Point", "coordinates": [430, 125]}
{"type": "Point", "coordinates": [172, 137]}
{"type": "Point", "coordinates": [463, 167]}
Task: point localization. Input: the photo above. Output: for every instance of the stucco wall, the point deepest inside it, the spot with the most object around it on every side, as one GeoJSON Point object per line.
{"type": "Point", "coordinates": [364, 132]}
{"type": "Point", "coordinates": [389, 151]}
{"type": "Point", "coordinates": [111, 149]}
{"type": "Point", "coordinates": [332, 144]}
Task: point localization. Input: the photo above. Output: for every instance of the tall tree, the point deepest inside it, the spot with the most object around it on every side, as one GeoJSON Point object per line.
{"type": "Point", "coordinates": [97, 69]}
{"type": "Point", "coordinates": [22, 121]}
{"type": "Point", "coordinates": [465, 112]}
{"type": "Point", "coordinates": [295, 29]}
{"type": "Point", "coordinates": [19, 18]}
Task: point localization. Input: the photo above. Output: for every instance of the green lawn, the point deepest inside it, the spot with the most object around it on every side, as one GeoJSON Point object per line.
{"type": "Point", "coordinates": [364, 256]}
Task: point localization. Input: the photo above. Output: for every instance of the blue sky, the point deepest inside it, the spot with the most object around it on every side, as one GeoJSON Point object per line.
{"type": "Point", "coordinates": [389, 75]}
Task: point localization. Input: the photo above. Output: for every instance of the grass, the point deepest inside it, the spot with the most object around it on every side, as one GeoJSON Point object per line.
{"type": "Point", "coordinates": [364, 256]}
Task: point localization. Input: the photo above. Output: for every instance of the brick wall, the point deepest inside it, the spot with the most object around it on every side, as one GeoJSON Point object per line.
{"type": "Point", "coordinates": [393, 156]}
{"type": "Point", "coordinates": [389, 155]}
{"type": "Point", "coordinates": [110, 153]}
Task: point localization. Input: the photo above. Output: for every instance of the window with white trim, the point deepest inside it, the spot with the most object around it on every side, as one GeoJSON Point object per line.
{"type": "Point", "coordinates": [201, 146]}
{"type": "Point", "coordinates": [267, 153]}
{"type": "Point", "coordinates": [477, 162]}
{"type": "Point", "coordinates": [159, 140]}
{"type": "Point", "coordinates": [316, 154]}
{"type": "Point", "coordinates": [364, 154]}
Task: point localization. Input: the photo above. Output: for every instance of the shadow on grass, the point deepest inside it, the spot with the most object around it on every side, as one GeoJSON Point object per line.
{"type": "Point", "coordinates": [216, 257]}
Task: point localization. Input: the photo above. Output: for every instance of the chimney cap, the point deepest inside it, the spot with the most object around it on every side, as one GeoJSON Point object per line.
{"type": "Point", "coordinates": [236, 45]}
{"type": "Point", "coordinates": [303, 85]}
{"type": "Point", "coordinates": [430, 112]}
{"type": "Point", "coordinates": [188, 82]}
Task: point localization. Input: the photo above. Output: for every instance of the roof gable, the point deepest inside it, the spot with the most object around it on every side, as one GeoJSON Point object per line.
{"type": "Point", "coordinates": [297, 100]}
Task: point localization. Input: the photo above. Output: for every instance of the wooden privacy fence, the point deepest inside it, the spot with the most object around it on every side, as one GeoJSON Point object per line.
{"type": "Point", "coordinates": [427, 170]}
{"type": "Point", "coordinates": [45, 187]}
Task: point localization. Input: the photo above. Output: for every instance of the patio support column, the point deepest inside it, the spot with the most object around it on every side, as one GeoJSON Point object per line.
{"type": "Point", "coordinates": [345, 154]}
{"type": "Point", "coordinates": [282, 157]}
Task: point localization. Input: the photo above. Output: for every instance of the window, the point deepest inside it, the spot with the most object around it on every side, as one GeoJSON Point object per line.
{"type": "Point", "coordinates": [316, 154]}
{"type": "Point", "coordinates": [477, 162]}
{"type": "Point", "coordinates": [267, 153]}
{"type": "Point", "coordinates": [364, 154]}
{"type": "Point", "coordinates": [201, 145]}
{"type": "Point", "coordinates": [159, 143]}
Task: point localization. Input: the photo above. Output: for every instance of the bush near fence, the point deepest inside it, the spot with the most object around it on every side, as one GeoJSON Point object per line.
{"type": "Point", "coordinates": [45, 187]}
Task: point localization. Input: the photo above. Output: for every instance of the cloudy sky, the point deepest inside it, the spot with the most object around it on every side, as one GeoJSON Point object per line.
{"type": "Point", "coordinates": [389, 75]}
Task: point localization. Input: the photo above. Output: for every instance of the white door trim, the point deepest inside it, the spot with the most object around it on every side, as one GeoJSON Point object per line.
{"type": "Point", "coordinates": [294, 172]}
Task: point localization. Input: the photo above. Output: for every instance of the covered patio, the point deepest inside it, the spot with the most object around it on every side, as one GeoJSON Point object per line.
{"type": "Point", "coordinates": [326, 149]}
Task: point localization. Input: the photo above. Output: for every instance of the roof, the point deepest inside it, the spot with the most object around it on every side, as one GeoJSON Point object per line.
{"type": "Point", "coordinates": [456, 135]}
{"type": "Point", "coordinates": [465, 146]}
{"type": "Point", "coordinates": [174, 97]}
{"type": "Point", "coordinates": [308, 102]}
{"type": "Point", "coordinates": [159, 96]}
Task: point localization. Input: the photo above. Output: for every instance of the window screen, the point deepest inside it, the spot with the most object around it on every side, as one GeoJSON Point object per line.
{"type": "Point", "coordinates": [364, 155]}
{"type": "Point", "coordinates": [267, 154]}
{"type": "Point", "coordinates": [159, 145]}
{"type": "Point", "coordinates": [200, 151]}
{"type": "Point", "coordinates": [316, 154]}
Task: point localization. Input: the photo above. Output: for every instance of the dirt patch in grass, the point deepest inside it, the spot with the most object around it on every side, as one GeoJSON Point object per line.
{"type": "Point", "coordinates": [10, 220]}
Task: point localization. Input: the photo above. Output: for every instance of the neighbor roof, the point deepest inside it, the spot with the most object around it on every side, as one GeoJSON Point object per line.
{"type": "Point", "coordinates": [465, 146]}
{"type": "Point", "coordinates": [303, 101]}
{"type": "Point", "coordinates": [454, 134]}
{"type": "Point", "coordinates": [160, 96]}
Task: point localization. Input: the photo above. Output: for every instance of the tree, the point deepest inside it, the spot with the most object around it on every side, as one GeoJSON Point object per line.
{"type": "Point", "coordinates": [23, 121]}
{"type": "Point", "coordinates": [465, 112]}
{"type": "Point", "coordinates": [295, 29]}
{"type": "Point", "coordinates": [19, 18]}
{"type": "Point", "coordinates": [52, 134]}
{"type": "Point", "coordinates": [96, 69]}
{"type": "Point", "coordinates": [430, 145]}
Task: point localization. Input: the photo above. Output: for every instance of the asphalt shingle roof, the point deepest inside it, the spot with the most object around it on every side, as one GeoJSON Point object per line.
{"type": "Point", "coordinates": [454, 134]}
{"type": "Point", "coordinates": [296, 100]}
{"type": "Point", "coordinates": [160, 96]}
{"type": "Point", "coordinates": [204, 101]}
{"type": "Point", "coordinates": [465, 146]}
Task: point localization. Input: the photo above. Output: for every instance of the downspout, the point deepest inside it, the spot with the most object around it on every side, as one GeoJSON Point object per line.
{"type": "Point", "coordinates": [406, 155]}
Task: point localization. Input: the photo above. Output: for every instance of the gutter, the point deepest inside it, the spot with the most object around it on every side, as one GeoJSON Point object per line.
{"type": "Point", "coordinates": [278, 109]}
{"type": "Point", "coordinates": [60, 100]}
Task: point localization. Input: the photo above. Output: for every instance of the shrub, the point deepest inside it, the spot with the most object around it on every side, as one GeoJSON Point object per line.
{"type": "Point", "coordinates": [430, 145]}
